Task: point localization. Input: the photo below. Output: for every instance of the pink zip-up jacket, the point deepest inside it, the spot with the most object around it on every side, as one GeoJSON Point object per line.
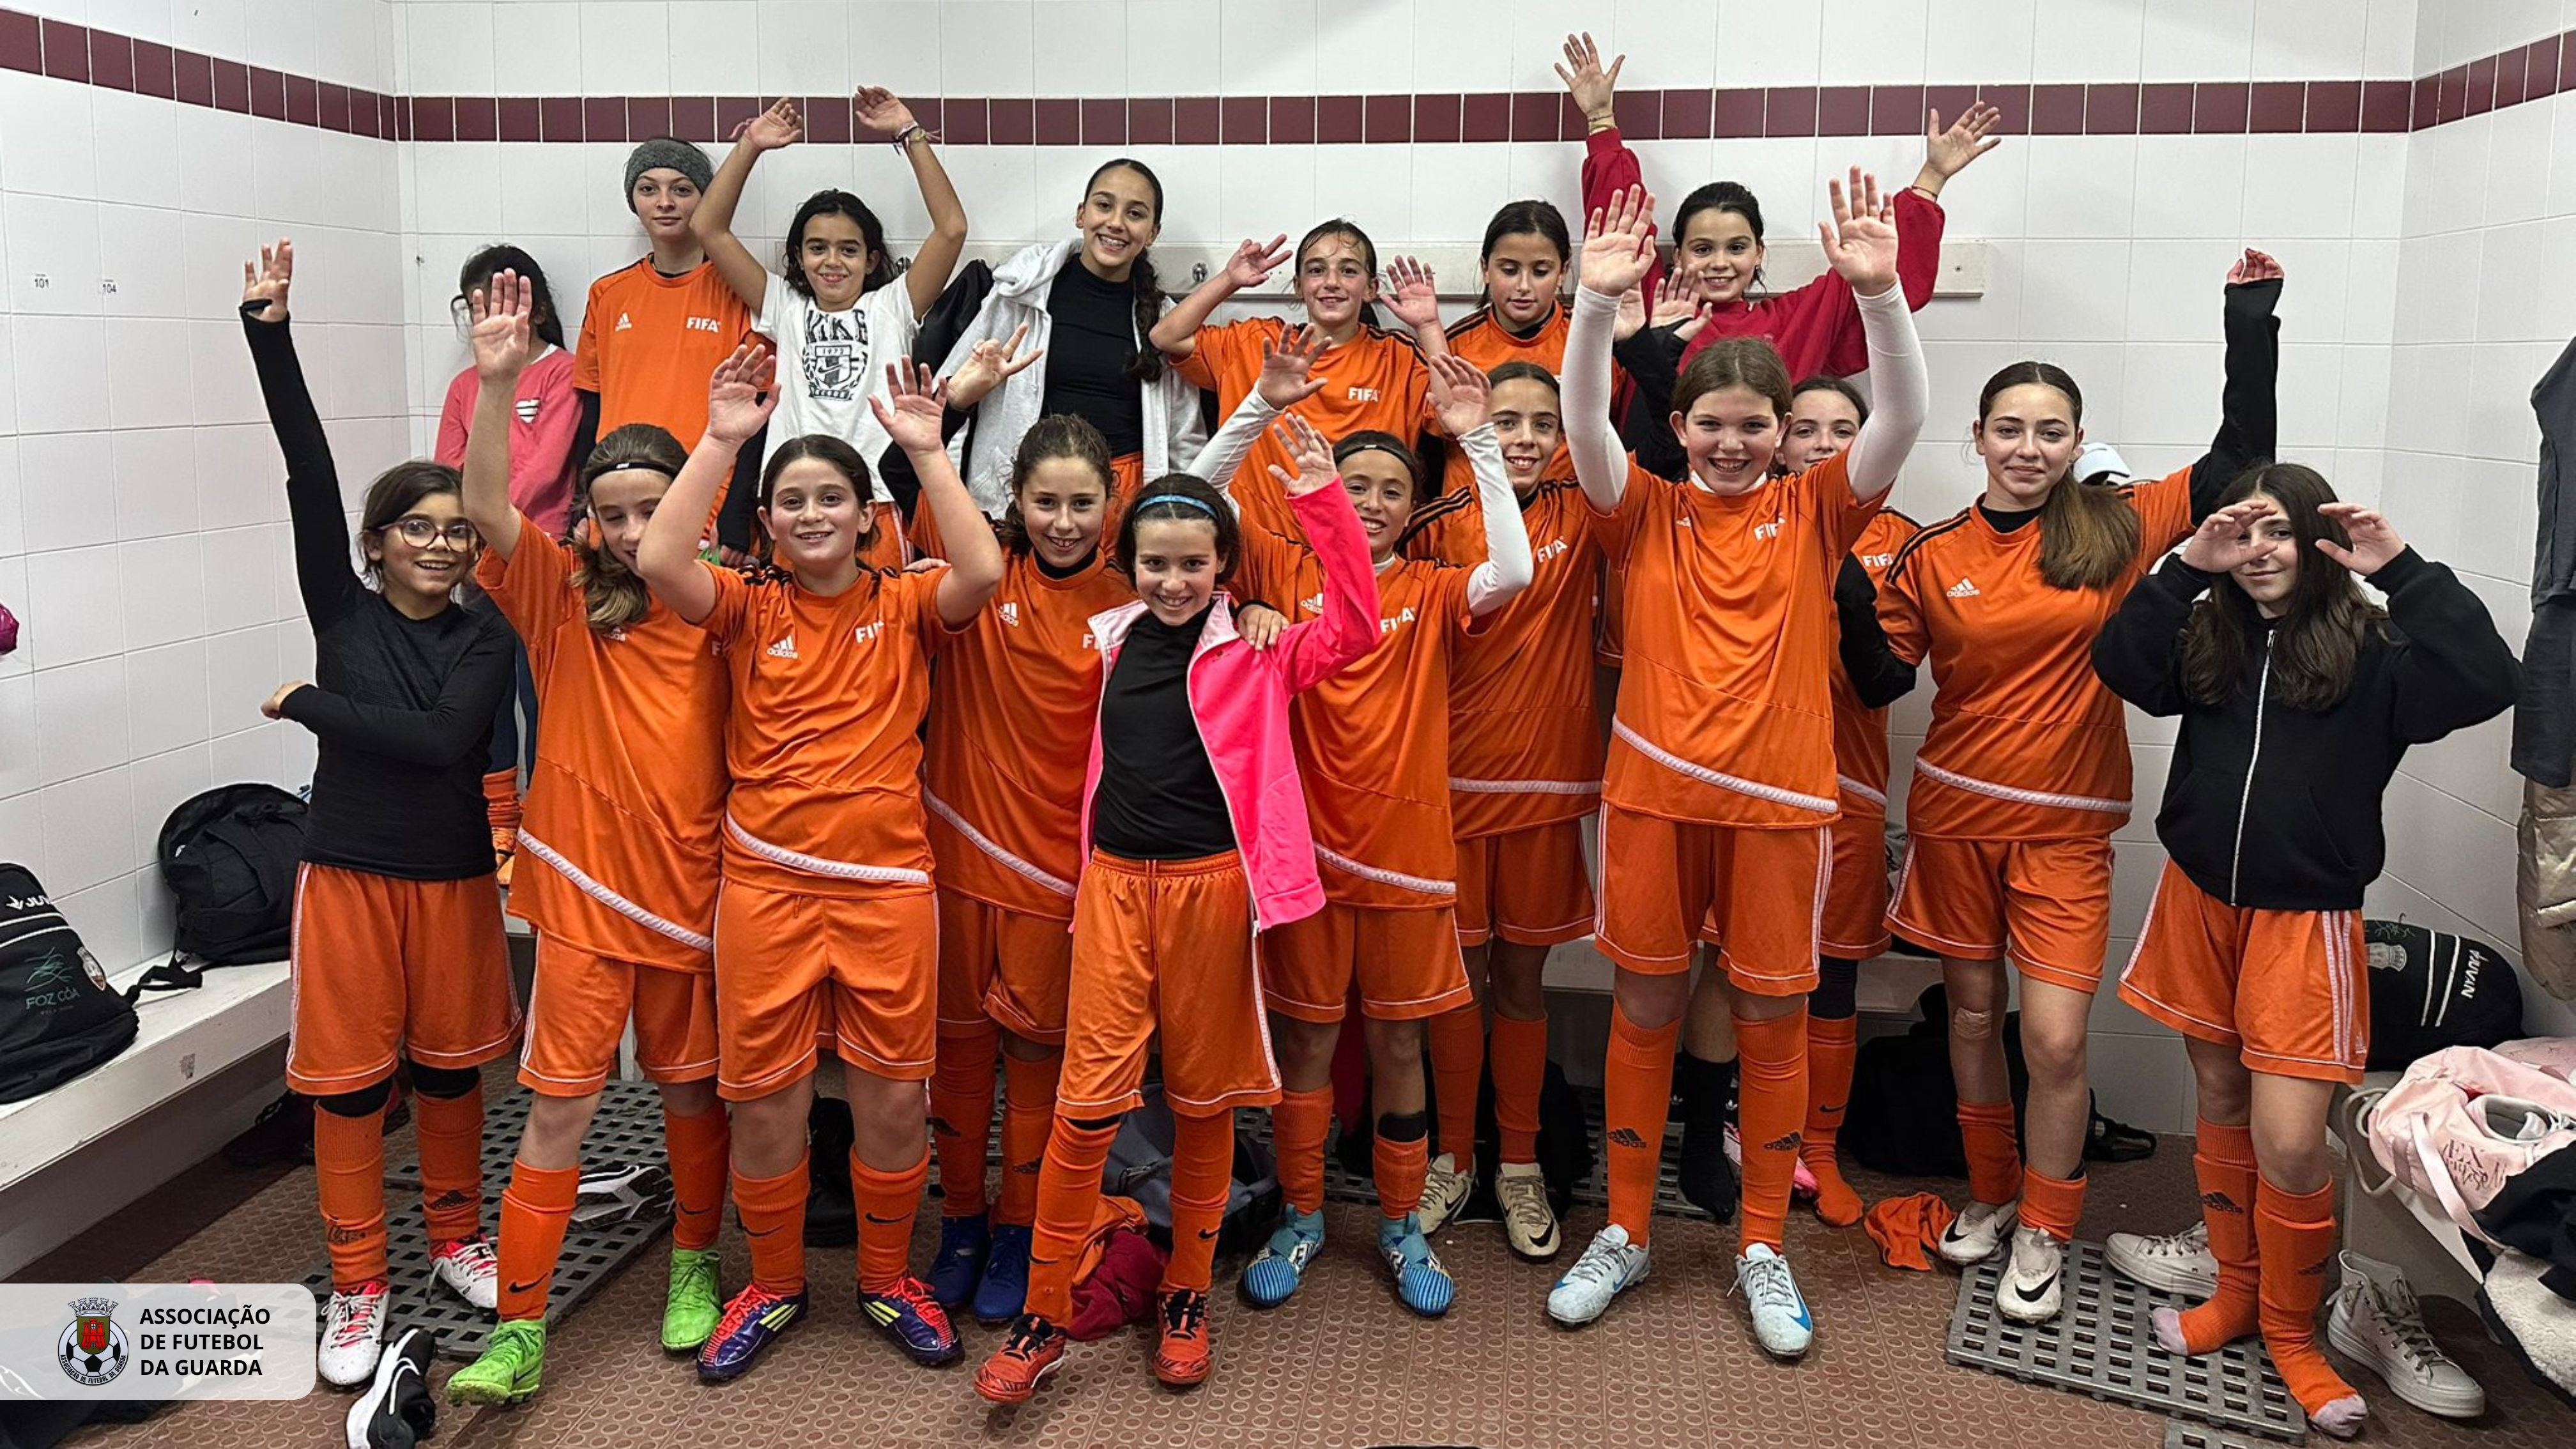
{"type": "Point", "coordinates": [1240, 699]}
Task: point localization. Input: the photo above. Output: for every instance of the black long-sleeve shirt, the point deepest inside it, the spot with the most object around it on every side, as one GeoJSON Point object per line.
{"type": "Point", "coordinates": [1158, 797]}
{"type": "Point", "coordinates": [402, 707]}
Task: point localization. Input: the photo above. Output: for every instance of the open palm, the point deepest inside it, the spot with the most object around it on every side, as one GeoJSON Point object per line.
{"type": "Point", "coordinates": [1861, 242]}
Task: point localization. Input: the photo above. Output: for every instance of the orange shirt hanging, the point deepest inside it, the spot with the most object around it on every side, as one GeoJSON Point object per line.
{"type": "Point", "coordinates": [1375, 380]}
{"type": "Point", "coordinates": [624, 806]}
{"type": "Point", "coordinates": [824, 738]}
{"type": "Point", "coordinates": [2025, 743]}
{"type": "Point", "coordinates": [1725, 712]}
{"type": "Point", "coordinates": [1860, 734]}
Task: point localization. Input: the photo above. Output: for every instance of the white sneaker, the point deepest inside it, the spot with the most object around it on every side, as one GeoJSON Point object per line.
{"type": "Point", "coordinates": [1781, 1323]}
{"type": "Point", "coordinates": [2033, 1284]}
{"type": "Point", "coordinates": [2376, 1322]}
{"type": "Point", "coordinates": [1607, 1266]}
{"type": "Point", "coordinates": [353, 1326]}
{"type": "Point", "coordinates": [2176, 1263]}
{"type": "Point", "coordinates": [1977, 1232]}
{"type": "Point", "coordinates": [1444, 1187]}
{"type": "Point", "coordinates": [468, 1268]}
{"type": "Point", "coordinates": [1529, 1223]}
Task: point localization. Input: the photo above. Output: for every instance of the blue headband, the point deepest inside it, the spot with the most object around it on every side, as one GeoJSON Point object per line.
{"type": "Point", "coordinates": [1181, 498]}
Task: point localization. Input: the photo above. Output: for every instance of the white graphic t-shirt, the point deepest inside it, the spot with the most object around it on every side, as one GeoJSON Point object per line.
{"type": "Point", "coordinates": [831, 363]}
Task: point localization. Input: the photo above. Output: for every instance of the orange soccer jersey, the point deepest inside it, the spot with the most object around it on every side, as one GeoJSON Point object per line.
{"type": "Point", "coordinates": [1373, 741]}
{"type": "Point", "coordinates": [649, 341]}
{"type": "Point", "coordinates": [1011, 718]}
{"type": "Point", "coordinates": [1860, 734]}
{"type": "Point", "coordinates": [1374, 381]}
{"type": "Point", "coordinates": [2026, 743]}
{"type": "Point", "coordinates": [1725, 713]}
{"type": "Point", "coordinates": [1524, 728]}
{"type": "Point", "coordinates": [824, 738]}
{"type": "Point", "coordinates": [1481, 338]}
{"type": "Point", "coordinates": [627, 798]}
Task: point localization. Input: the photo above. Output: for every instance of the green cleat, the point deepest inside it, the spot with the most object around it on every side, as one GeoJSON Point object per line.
{"type": "Point", "coordinates": [689, 1314]}
{"type": "Point", "coordinates": [507, 1373]}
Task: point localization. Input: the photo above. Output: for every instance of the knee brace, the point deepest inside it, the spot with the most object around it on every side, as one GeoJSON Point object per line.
{"type": "Point", "coordinates": [366, 1101]}
{"type": "Point", "coordinates": [1102, 1124]}
{"type": "Point", "coordinates": [1969, 1025]}
{"type": "Point", "coordinates": [1837, 993]}
{"type": "Point", "coordinates": [444, 1082]}
{"type": "Point", "coordinates": [1407, 1127]}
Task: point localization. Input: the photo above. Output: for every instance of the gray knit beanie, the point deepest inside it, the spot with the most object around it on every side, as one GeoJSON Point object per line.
{"type": "Point", "coordinates": [661, 151]}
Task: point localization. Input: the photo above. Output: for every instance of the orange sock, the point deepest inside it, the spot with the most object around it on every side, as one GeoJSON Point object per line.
{"type": "Point", "coordinates": [887, 1202]}
{"type": "Point", "coordinates": [349, 1170]}
{"type": "Point", "coordinates": [1398, 1168]}
{"type": "Point", "coordinates": [1832, 1043]}
{"type": "Point", "coordinates": [1520, 1070]}
{"type": "Point", "coordinates": [1028, 1114]}
{"type": "Point", "coordinates": [2296, 1234]}
{"type": "Point", "coordinates": [1636, 1097]}
{"type": "Point", "coordinates": [1994, 1158]}
{"type": "Point", "coordinates": [2052, 1204]}
{"type": "Point", "coordinates": [1297, 1127]}
{"type": "Point", "coordinates": [772, 1210]}
{"type": "Point", "coordinates": [697, 1147]}
{"type": "Point", "coordinates": [2222, 1161]}
{"type": "Point", "coordinates": [961, 1113]}
{"type": "Point", "coordinates": [451, 1164]}
{"type": "Point", "coordinates": [501, 804]}
{"type": "Point", "coordinates": [1771, 1096]}
{"type": "Point", "coordinates": [535, 1209]}
{"type": "Point", "coordinates": [1068, 1194]}
{"type": "Point", "coordinates": [1457, 1066]}
{"type": "Point", "coordinates": [1202, 1175]}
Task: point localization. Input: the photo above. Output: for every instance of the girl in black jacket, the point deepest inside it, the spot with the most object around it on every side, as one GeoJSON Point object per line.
{"type": "Point", "coordinates": [2297, 697]}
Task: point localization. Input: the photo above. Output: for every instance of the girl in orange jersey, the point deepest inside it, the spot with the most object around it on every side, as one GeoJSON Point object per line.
{"type": "Point", "coordinates": [825, 918]}
{"type": "Point", "coordinates": [1524, 770]}
{"type": "Point", "coordinates": [621, 838]}
{"type": "Point", "coordinates": [1720, 781]}
{"type": "Point", "coordinates": [2024, 773]}
{"type": "Point", "coordinates": [1376, 380]}
{"type": "Point", "coordinates": [1373, 747]}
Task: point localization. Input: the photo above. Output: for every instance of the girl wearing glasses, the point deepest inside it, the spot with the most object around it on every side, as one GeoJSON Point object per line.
{"type": "Point", "coordinates": [398, 951]}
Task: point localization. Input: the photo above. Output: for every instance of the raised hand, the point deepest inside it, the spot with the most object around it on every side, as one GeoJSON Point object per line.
{"type": "Point", "coordinates": [1592, 87]}
{"type": "Point", "coordinates": [910, 410]}
{"type": "Point", "coordinates": [987, 365]}
{"type": "Point", "coordinates": [1411, 293]}
{"type": "Point", "coordinates": [267, 280]}
{"type": "Point", "coordinates": [1306, 448]}
{"type": "Point", "coordinates": [2374, 541]}
{"type": "Point", "coordinates": [1677, 308]}
{"type": "Point", "coordinates": [501, 323]}
{"type": "Point", "coordinates": [881, 111]}
{"type": "Point", "coordinates": [780, 125]}
{"type": "Point", "coordinates": [1287, 368]}
{"type": "Point", "coordinates": [1619, 243]}
{"type": "Point", "coordinates": [1861, 241]}
{"type": "Point", "coordinates": [1252, 262]}
{"type": "Point", "coordinates": [1947, 150]}
{"type": "Point", "coordinates": [2226, 538]}
{"type": "Point", "coordinates": [2255, 266]}
{"type": "Point", "coordinates": [736, 407]}
{"type": "Point", "coordinates": [1459, 393]}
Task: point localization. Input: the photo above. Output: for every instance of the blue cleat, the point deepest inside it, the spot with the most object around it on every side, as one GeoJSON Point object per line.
{"type": "Point", "coordinates": [914, 1320]}
{"type": "Point", "coordinates": [1420, 1280]}
{"type": "Point", "coordinates": [960, 1260]}
{"type": "Point", "coordinates": [1005, 1289]}
{"type": "Point", "coordinates": [754, 1318]}
{"type": "Point", "coordinates": [1269, 1279]}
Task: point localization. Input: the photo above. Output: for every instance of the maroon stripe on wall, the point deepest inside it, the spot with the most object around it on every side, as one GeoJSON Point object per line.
{"type": "Point", "coordinates": [2512, 77]}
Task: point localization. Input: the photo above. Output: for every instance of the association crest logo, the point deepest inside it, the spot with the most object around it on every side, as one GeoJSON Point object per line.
{"type": "Point", "coordinates": [92, 1349]}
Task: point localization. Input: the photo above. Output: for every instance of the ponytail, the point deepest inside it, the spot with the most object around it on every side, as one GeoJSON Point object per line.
{"type": "Point", "coordinates": [1148, 366]}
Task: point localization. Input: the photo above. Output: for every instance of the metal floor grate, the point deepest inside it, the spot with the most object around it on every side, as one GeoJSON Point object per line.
{"type": "Point", "coordinates": [2183, 1434]}
{"type": "Point", "coordinates": [2104, 1345]}
{"type": "Point", "coordinates": [628, 1129]}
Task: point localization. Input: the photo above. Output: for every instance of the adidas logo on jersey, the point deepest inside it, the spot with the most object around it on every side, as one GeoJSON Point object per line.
{"type": "Point", "coordinates": [1962, 590]}
{"type": "Point", "coordinates": [1313, 604]}
{"type": "Point", "coordinates": [1010, 613]}
{"type": "Point", "coordinates": [625, 323]}
{"type": "Point", "coordinates": [784, 648]}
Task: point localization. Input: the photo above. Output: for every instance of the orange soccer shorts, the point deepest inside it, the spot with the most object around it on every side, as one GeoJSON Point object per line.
{"type": "Point", "coordinates": [1760, 894]}
{"type": "Point", "coordinates": [2044, 903]}
{"type": "Point", "coordinates": [1004, 966]}
{"type": "Point", "coordinates": [384, 969]}
{"type": "Point", "coordinates": [1529, 887]}
{"type": "Point", "coordinates": [1406, 964]}
{"type": "Point", "coordinates": [1164, 944]}
{"type": "Point", "coordinates": [2288, 989]}
{"type": "Point", "coordinates": [577, 1013]}
{"type": "Point", "coordinates": [1856, 902]}
{"type": "Point", "coordinates": [790, 967]}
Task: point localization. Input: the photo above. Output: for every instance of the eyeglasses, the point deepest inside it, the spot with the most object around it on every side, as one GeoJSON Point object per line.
{"type": "Point", "coordinates": [421, 532]}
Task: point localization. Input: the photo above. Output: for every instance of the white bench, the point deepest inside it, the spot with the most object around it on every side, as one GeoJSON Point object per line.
{"type": "Point", "coordinates": [53, 1185]}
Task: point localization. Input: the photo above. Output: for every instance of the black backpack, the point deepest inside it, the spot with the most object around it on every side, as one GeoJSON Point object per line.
{"type": "Point", "coordinates": [2431, 989]}
{"type": "Point", "coordinates": [229, 857]}
{"type": "Point", "coordinates": [58, 1017]}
